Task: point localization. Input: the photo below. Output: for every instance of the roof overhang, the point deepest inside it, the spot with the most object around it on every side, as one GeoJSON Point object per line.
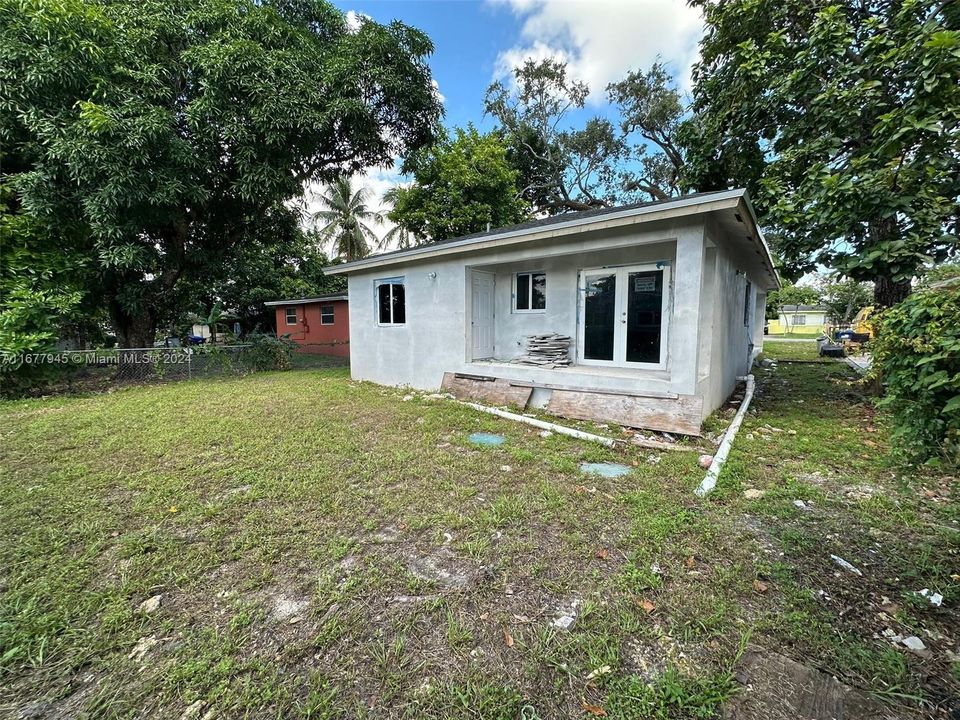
{"type": "Point", "coordinates": [731, 200]}
{"type": "Point", "coordinates": [306, 301]}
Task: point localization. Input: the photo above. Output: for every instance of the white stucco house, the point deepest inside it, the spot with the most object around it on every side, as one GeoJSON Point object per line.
{"type": "Point", "coordinates": [663, 303]}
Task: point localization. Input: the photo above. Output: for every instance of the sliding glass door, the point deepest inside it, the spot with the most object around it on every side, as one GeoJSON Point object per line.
{"type": "Point", "coordinates": [624, 316]}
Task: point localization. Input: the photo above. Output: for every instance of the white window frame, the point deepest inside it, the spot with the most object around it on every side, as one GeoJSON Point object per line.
{"type": "Point", "coordinates": [376, 300]}
{"type": "Point", "coordinates": [799, 319]}
{"type": "Point", "coordinates": [666, 314]}
{"type": "Point", "coordinates": [516, 284]}
{"type": "Point", "coordinates": [333, 316]}
{"type": "Point", "coordinates": [287, 312]}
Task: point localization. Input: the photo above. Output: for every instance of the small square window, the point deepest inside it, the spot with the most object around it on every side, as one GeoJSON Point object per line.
{"type": "Point", "coordinates": [326, 314]}
{"type": "Point", "coordinates": [530, 292]}
{"type": "Point", "coordinates": [799, 319]}
{"type": "Point", "coordinates": [291, 316]}
{"type": "Point", "coordinates": [391, 302]}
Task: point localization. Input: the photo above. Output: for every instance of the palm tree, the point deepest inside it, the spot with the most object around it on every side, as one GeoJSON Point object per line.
{"type": "Point", "coordinates": [398, 236]}
{"type": "Point", "coordinates": [345, 217]}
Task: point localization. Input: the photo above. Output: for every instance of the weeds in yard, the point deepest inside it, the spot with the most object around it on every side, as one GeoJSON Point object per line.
{"type": "Point", "coordinates": [404, 552]}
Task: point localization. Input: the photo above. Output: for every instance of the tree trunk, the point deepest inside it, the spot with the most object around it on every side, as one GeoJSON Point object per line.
{"type": "Point", "coordinates": [133, 331]}
{"type": "Point", "coordinates": [887, 292]}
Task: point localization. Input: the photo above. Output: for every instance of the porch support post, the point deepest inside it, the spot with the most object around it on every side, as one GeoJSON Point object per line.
{"type": "Point", "coordinates": [684, 324]}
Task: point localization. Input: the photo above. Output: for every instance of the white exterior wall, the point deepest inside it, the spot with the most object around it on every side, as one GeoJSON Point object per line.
{"type": "Point", "coordinates": [708, 342]}
{"type": "Point", "coordinates": [730, 342]}
{"type": "Point", "coordinates": [512, 328]}
{"type": "Point", "coordinates": [436, 337]}
{"type": "Point", "coordinates": [759, 320]}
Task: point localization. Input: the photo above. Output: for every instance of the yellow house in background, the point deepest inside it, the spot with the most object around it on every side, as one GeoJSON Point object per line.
{"type": "Point", "coordinates": [799, 320]}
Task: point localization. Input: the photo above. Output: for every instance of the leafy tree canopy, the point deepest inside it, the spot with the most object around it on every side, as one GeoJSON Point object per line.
{"type": "Point", "coordinates": [41, 286]}
{"type": "Point", "coordinates": [844, 299]}
{"type": "Point", "coordinates": [463, 184]}
{"type": "Point", "coordinates": [290, 266]}
{"type": "Point", "coordinates": [565, 168]}
{"type": "Point", "coordinates": [169, 131]}
{"type": "Point", "coordinates": [790, 295]}
{"type": "Point", "coordinates": [940, 273]}
{"type": "Point", "coordinates": [651, 106]}
{"type": "Point", "coordinates": [842, 120]}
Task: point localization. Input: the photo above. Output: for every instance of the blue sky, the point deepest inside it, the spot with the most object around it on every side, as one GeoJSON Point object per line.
{"type": "Point", "coordinates": [468, 37]}
{"type": "Point", "coordinates": [477, 41]}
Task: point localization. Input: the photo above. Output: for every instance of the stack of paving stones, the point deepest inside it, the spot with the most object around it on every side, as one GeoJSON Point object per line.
{"type": "Point", "coordinates": [549, 350]}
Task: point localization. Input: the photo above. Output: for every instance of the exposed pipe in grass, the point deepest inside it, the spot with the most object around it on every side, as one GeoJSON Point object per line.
{"type": "Point", "coordinates": [709, 481]}
{"type": "Point", "coordinates": [543, 424]}
{"type": "Point", "coordinates": [580, 434]}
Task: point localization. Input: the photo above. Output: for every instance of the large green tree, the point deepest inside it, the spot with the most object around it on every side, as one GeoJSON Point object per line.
{"type": "Point", "coordinates": [170, 129]}
{"type": "Point", "coordinates": [463, 184]}
{"type": "Point", "coordinates": [844, 299]}
{"type": "Point", "coordinates": [562, 168]}
{"type": "Point", "coordinates": [567, 166]}
{"type": "Point", "coordinates": [653, 109]}
{"type": "Point", "coordinates": [289, 266]}
{"type": "Point", "coordinates": [843, 120]}
{"type": "Point", "coordinates": [41, 285]}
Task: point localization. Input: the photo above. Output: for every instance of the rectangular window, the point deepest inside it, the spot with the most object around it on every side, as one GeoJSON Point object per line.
{"type": "Point", "coordinates": [746, 304]}
{"type": "Point", "coordinates": [326, 314]}
{"type": "Point", "coordinates": [291, 316]}
{"type": "Point", "coordinates": [530, 294]}
{"type": "Point", "coordinates": [799, 319]}
{"type": "Point", "coordinates": [391, 302]}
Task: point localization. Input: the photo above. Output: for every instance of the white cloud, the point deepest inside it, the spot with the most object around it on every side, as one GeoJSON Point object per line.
{"type": "Point", "coordinates": [355, 20]}
{"type": "Point", "coordinates": [436, 89]}
{"type": "Point", "coordinates": [602, 40]}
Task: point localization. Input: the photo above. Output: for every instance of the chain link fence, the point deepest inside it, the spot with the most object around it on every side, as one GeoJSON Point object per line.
{"type": "Point", "coordinates": [321, 355]}
{"type": "Point", "coordinates": [135, 365]}
{"type": "Point", "coordinates": [72, 371]}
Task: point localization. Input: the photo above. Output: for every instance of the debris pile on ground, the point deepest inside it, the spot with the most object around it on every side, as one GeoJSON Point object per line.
{"type": "Point", "coordinates": [845, 565]}
{"type": "Point", "coordinates": [566, 617]}
{"type": "Point", "coordinates": [548, 350]}
{"type": "Point", "coordinates": [150, 605]}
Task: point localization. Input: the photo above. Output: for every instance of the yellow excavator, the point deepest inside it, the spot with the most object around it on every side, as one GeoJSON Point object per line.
{"type": "Point", "coordinates": [849, 339]}
{"type": "Point", "coordinates": [859, 330]}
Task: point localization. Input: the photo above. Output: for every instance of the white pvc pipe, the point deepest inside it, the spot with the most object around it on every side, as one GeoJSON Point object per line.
{"type": "Point", "coordinates": [709, 481]}
{"type": "Point", "coordinates": [543, 424]}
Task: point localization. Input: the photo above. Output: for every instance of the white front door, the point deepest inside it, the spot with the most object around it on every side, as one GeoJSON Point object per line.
{"type": "Point", "coordinates": [623, 318]}
{"type": "Point", "coordinates": [482, 315]}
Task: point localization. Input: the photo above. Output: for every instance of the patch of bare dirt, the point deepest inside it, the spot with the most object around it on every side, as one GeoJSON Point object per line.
{"type": "Point", "coordinates": [774, 687]}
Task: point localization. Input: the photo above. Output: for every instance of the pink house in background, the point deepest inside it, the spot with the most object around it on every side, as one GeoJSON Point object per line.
{"type": "Point", "coordinates": [319, 324]}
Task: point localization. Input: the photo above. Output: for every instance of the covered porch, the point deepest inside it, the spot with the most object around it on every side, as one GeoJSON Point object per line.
{"type": "Point", "coordinates": [628, 313]}
{"type": "Point", "coordinates": [631, 312]}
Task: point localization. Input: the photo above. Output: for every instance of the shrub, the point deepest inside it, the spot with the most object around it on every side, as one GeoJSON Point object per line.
{"type": "Point", "coordinates": [267, 352]}
{"type": "Point", "coordinates": [917, 356]}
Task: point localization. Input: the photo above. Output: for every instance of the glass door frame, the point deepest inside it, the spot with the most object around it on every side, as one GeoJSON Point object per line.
{"type": "Point", "coordinates": [622, 273]}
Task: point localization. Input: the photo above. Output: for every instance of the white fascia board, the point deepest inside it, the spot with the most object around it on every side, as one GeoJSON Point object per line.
{"type": "Point", "coordinates": [764, 248]}
{"type": "Point", "coordinates": [681, 206]}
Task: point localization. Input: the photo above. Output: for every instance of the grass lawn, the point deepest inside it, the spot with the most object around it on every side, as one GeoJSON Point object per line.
{"type": "Point", "coordinates": [323, 548]}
